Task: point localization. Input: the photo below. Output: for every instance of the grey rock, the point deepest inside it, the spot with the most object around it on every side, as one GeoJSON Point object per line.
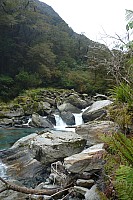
{"type": "Point", "coordinates": [6, 122]}
{"type": "Point", "coordinates": [100, 97]}
{"type": "Point", "coordinates": [48, 147]}
{"type": "Point", "coordinates": [92, 194]}
{"type": "Point", "coordinates": [92, 131]}
{"type": "Point", "coordinates": [68, 117]}
{"type": "Point", "coordinates": [96, 110]}
{"type": "Point", "coordinates": [85, 183]}
{"type": "Point", "coordinates": [54, 145]}
{"type": "Point", "coordinates": [68, 107]}
{"type": "Point", "coordinates": [87, 160]}
{"type": "Point", "coordinates": [80, 190]}
{"type": "Point", "coordinates": [51, 118]}
{"type": "Point", "coordinates": [75, 100]}
{"type": "Point", "coordinates": [40, 122]}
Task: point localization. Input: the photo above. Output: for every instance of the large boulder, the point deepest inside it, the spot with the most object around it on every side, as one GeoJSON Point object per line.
{"type": "Point", "coordinates": [50, 146]}
{"type": "Point", "coordinates": [22, 166]}
{"type": "Point", "coordinates": [44, 108]}
{"type": "Point", "coordinates": [75, 100]}
{"type": "Point", "coordinates": [96, 110]}
{"type": "Point", "coordinates": [40, 122]}
{"type": "Point", "coordinates": [68, 107]}
{"type": "Point", "coordinates": [68, 117]}
{"type": "Point", "coordinates": [29, 157]}
{"type": "Point", "coordinates": [55, 145]}
{"type": "Point", "coordinates": [88, 160]}
{"type": "Point", "coordinates": [92, 131]}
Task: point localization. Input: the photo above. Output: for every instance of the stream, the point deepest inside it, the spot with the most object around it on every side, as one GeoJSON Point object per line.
{"type": "Point", "coordinates": [8, 136]}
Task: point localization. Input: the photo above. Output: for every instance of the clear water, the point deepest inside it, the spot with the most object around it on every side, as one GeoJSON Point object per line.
{"type": "Point", "coordinates": [9, 136]}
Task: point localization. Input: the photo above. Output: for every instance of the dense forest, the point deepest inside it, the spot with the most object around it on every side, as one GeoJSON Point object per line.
{"type": "Point", "coordinates": [38, 49]}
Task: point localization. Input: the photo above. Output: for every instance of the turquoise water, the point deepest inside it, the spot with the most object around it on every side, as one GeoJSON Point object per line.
{"type": "Point", "coordinates": [9, 136]}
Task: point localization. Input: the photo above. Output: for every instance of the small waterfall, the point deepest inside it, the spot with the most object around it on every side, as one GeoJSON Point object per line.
{"type": "Point", "coordinates": [78, 119]}
{"type": "Point", "coordinates": [61, 125]}
{"type": "Point", "coordinates": [3, 168]}
{"type": "Point", "coordinates": [27, 124]}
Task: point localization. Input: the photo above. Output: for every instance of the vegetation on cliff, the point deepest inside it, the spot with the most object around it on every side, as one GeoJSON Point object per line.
{"type": "Point", "coordinates": [38, 49]}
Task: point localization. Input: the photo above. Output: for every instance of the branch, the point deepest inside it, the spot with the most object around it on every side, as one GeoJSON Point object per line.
{"type": "Point", "coordinates": [10, 186]}
{"type": "Point", "coordinates": [3, 189]}
{"type": "Point", "coordinates": [51, 192]}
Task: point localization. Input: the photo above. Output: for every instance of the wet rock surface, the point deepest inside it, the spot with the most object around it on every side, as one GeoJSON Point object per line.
{"type": "Point", "coordinates": [57, 159]}
{"type": "Point", "coordinates": [96, 110]}
{"type": "Point", "coordinates": [89, 159]}
{"type": "Point", "coordinates": [92, 131]}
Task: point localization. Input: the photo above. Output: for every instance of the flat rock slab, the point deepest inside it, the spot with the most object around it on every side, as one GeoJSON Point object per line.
{"type": "Point", "coordinates": [92, 131]}
{"type": "Point", "coordinates": [55, 145]}
{"type": "Point", "coordinates": [85, 183]}
{"type": "Point", "coordinates": [87, 160]}
{"type": "Point", "coordinates": [50, 146]}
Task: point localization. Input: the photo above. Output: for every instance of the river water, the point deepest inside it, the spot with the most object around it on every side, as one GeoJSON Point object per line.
{"type": "Point", "coordinates": [8, 136]}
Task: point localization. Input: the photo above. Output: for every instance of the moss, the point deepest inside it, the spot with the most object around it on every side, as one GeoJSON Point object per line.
{"type": "Point", "coordinates": [2, 115]}
{"type": "Point", "coordinates": [16, 106]}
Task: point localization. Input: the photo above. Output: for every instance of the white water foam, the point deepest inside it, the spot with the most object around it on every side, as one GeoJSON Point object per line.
{"type": "Point", "coordinates": [61, 125]}
{"type": "Point", "coordinates": [3, 169]}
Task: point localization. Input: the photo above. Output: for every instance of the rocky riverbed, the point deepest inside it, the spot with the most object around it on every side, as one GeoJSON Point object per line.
{"type": "Point", "coordinates": [55, 159]}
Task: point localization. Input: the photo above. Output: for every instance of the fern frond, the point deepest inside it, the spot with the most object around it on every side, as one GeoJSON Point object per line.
{"type": "Point", "coordinates": [124, 147]}
{"type": "Point", "coordinates": [124, 183]}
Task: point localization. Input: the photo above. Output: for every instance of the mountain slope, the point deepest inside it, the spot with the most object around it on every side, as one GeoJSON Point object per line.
{"type": "Point", "coordinates": [37, 48]}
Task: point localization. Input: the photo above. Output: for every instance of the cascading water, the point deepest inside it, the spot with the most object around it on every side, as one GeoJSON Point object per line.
{"type": "Point", "coordinates": [9, 137]}
{"type": "Point", "coordinates": [78, 119]}
{"type": "Point", "coordinates": [3, 168]}
{"type": "Point", "coordinates": [61, 125]}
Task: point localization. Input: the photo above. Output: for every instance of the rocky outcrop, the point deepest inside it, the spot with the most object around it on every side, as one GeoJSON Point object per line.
{"type": "Point", "coordinates": [96, 111]}
{"type": "Point", "coordinates": [93, 194]}
{"type": "Point", "coordinates": [68, 107]}
{"type": "Point", "coordinates": [68, 117]}
{"type": "Point", "coordinates": [87, 160]}
{"type": "Point", "coordinates": [52, 146]}
{"type": "Point", "coordinates": [18, 112]}
{"type": "Point", "coordinates": [44, 102]}
{"type": "Point", "coordinates": [23, 167]}
{"type": "Point", "coordinates": [29, 157]}
{"type": "Point", "coordinates": [92, 131]}
{"type": "Point", "coordinates": [40, 122]}
{"type": "Point", "coordinates": [77, 101]}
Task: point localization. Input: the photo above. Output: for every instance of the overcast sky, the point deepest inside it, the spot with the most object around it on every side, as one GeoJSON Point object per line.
{"type": "Point", "coordinates": [91, 17]}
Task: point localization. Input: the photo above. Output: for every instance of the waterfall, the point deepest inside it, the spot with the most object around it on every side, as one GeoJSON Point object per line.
{"type": "Point", "coordinates": [78, 119]}
{"type": "Point", "coordinates": [27, 124]}
{"type": "Point", "coordinates": [3, 168]}
{"type": "Point", "coordinates": [61, 125]}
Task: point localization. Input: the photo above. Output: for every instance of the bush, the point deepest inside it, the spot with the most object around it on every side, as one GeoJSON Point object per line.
{"type": "Point", "coordinates": [122, 93]}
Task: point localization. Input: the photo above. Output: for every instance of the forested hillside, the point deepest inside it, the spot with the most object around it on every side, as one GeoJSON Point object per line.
{"type": "Point", "coordinates": [38, 49]}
